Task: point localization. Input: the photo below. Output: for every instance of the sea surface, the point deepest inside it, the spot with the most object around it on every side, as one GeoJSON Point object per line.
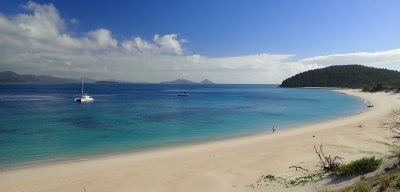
{"type": "Point", "coordinates": [41, 122]}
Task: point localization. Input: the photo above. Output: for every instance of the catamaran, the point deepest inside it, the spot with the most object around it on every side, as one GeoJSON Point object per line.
{"type": "Point", "coordinates": [84, 98]}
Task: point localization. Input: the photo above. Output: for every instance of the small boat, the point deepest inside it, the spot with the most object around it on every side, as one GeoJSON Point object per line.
{"type": "Point", "coordinates": [84, 98]}
{"type": "Point", "coordinates": [368, 104]}
{"type": "Point", "coordinates": [183, 93]}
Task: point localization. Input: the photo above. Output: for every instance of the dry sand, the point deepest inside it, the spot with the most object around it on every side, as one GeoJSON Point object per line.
{"type": "Point", "coordinates": [226, 165]}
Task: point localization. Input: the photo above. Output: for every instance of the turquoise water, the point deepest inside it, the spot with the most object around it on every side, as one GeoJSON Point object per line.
{"type": "Point", "coordinates": [40, 123]}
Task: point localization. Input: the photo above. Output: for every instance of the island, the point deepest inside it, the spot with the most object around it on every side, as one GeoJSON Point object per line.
{"type": "Point", "coordinates": [106, 82]}
{"type": "Point", "coordinates": [185, 81]}
{"type": "Point", "coordinates": [347, 76]}
{"type": "Point", "coordinates": [12, 77]}
{"type": "Point", "coordinates": [206, 81]}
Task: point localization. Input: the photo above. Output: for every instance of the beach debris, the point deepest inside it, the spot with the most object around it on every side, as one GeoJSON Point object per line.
{"type": "Point", "coordinates": [298, 167]}
{"type": "Point", "coordinates": [368, 103]}
{"type": "Point", "coordinates": [327, 163]}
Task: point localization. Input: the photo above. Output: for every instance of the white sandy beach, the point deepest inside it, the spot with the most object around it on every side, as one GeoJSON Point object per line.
{"type": "Point", "coordinates": [226, 165]}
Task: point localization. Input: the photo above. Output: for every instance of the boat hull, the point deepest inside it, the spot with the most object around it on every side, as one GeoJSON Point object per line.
{"type": "Point", "coordinates": [183, 94]}
{"type": "Point", "coordinates": [84, 99]}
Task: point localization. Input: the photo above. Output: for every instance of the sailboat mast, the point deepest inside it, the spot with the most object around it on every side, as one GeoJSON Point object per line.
{"type": "Point", "coordinates": [180, 84]}
{"type": "Point", "coordinates": [82, 84]}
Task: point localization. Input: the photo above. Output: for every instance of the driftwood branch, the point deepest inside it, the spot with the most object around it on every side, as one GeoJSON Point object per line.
{"type": "Point", "coordinates": [327, 163]}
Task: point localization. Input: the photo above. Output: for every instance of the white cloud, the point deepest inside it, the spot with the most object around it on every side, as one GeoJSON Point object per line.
{"type": "Point", "coordinates": [44, 22]}
{"type": "Point", "coordinates": [103, 38]}
{"type": "Point", "coordinates": [162, 44]}
{"type": "Point", "coordinates": [195, 58]}
{"type": "Point", "coordinates": [140, 45]}
{"type": "Point", "coordinates": [169, 43]}
{"type": "Point", "coordinates": [383, 59]}
{"type": "Point", "coordinates": [40, 42]}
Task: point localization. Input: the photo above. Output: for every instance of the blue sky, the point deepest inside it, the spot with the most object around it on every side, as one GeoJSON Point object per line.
{"type": "Point", "coordinates": [232, 29]}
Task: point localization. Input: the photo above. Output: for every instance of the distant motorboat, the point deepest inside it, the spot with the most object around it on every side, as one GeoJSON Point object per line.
{"type": "Point", "coordinates": [183, 93]}
{"type": "Point", "coordinates": [84, 98]}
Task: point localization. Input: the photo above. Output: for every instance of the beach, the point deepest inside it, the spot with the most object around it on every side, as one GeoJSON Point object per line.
{"type": "Point", "coordinates": [224, 165]}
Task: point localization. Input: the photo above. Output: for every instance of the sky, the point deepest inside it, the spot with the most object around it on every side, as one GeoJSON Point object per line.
{"type": "Point", "coordinates": [226, 41]}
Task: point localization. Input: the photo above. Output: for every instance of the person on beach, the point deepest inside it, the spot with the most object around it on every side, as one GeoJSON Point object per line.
{"type": "Point", "coordinates": [273, 129]}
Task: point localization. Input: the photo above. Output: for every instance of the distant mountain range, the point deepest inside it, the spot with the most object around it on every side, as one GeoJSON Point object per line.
{"type": "Point", "coordinates": [12, 77]}
{"type": "Point", "coordinates": [185, 81]}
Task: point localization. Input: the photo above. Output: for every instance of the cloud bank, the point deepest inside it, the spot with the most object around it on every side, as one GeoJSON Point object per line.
{"type": "Point", "coordinates": [39, 41]}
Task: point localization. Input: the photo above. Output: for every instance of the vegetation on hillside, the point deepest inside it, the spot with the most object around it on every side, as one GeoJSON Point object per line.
{"type": "Point", "coordinates": [360, 166]}
{"type": "Point", "coordinates": [347, 76]}
{"type": "Point", "coordinates": [387, 182]}
{"type": "Point", "coordinates": [331, 167]}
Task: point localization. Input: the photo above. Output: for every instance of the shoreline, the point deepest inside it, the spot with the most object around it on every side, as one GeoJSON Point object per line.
{"type": "Point", "coordinates": [180, 168]}
{"type": "Point", "coordinates": [151, 149]}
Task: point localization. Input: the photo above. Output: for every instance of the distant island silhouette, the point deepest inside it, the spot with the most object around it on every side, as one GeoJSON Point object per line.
{"type": "Point", "coordinates": [106, 82]}
{"type": "Point", "coordinates": [347, 76]}
{"type": "Point", "coordinates": [185, 81]}
{"type": "Point", "coordinates": [12, 77]}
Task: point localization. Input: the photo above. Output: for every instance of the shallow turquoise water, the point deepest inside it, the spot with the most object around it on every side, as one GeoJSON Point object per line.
{"type": "Point", "coordinates": [42, 123]}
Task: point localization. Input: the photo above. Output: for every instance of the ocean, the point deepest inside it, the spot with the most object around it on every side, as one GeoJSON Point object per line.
{"type": "Point", "coordinates": [41, 123]}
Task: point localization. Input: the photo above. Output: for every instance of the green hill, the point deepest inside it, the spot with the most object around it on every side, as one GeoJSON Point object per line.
{"type": "Point", "coordinates": [348, 76]}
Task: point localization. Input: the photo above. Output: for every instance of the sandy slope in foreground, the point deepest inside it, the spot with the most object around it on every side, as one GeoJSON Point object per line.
{"type": "Point", "coordinates": [227, 165]}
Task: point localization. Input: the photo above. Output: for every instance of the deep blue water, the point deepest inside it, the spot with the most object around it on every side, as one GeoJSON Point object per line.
{"type": "Point", "coordinates": [42, 123]}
